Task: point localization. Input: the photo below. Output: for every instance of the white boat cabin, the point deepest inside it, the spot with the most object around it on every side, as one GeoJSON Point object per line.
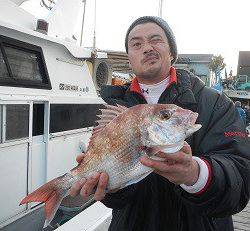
{"type": "Point", "coordinates": [48, 106]}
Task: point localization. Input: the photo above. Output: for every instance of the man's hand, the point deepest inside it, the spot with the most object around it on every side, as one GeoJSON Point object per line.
{"type": "Point", "coordinates": [86, 187]}
{"type": "Point", "coordinates": [178, 168]}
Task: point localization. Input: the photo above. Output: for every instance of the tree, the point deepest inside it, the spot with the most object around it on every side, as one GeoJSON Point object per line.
{"type": "Point", "coordinates": [217, 65]}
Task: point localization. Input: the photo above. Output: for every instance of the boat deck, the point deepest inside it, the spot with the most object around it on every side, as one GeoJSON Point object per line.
{"type": "Point", "coordinates": [242, 220]}
{"type": "Point", "coordinates": [101, 220]}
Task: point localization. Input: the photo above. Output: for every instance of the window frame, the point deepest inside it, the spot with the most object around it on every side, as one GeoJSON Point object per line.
{"type": "Point", "coordinates": [75, 120]}
{"type": "Point", "coordinates": [2, 134]}
{"type": "Point", "coordinates": [22, 46]}
{"type": "Point", "coordinates": [3, 122]}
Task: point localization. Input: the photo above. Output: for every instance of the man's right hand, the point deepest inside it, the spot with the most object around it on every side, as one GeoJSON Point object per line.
{"type": "Point", "coordinates": [85, 187]}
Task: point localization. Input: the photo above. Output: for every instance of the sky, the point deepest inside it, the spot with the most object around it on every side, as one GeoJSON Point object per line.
{"type": "Point", "coordinates": [200, 27]}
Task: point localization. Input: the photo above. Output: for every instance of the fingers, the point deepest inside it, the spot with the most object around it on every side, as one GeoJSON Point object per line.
{"type": "Point", "coordinates": [80, 157]}
{"type": "Point", "coordinates": [177, 167]}
{"type": "Point", "coordinates": [157, 165]}
{"type": "Point", "coordinates": [170, 162]}
{"type": "Point", "coordinates": [178, 157]}
{"type": "Point", "coordinates": [174, 158]}
{"type": "Point", "coordinates": [186, 148]}
{"type": "Point", "coordinates": [88, 187]}
{"type": "Point", "coordinates": [85, 187]}
{"type": "Point", "coordinates": [101, 187]}
{"type": "Point", "coordinates": [162, 154]}
{"type": "Point", "coordinates": [76, 188]}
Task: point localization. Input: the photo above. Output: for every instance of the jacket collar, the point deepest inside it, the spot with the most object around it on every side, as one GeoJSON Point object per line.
{"type": "Point", "coordinates": [183, 93]}
{"type": "Point", "coordinates": [135, 87]}
{"type": "Point", "coordinates": [188, 85]}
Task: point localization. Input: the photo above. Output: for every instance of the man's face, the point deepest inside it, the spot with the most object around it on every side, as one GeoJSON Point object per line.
{"type": "Point", "coordinates": [149, 53]}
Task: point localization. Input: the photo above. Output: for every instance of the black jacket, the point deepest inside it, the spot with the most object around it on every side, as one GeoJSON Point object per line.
{"type": "Point", "coordinates": [155, 204]}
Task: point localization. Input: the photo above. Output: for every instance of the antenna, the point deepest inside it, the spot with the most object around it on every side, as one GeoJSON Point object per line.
{"type": "Point", "coordinates": [160, 8]}
{"type": "Point", "coordinates": [83, 17]}
{"type": "Point", "coordinates": [94, 38]}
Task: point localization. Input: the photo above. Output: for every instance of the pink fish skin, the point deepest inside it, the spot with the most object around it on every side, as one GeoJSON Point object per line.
{"type": "Point", "coordinates": [121, 138]}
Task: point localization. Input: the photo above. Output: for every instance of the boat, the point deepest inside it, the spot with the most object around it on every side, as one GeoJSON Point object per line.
{"type": "Point", "coordinates": [49, 98]}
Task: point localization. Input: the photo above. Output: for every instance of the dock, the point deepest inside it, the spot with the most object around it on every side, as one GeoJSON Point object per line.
{"type": "Point", "coordinates": [242, 220]}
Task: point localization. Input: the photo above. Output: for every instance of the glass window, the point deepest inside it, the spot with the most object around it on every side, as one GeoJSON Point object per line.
{"type": "Point", "coordinates": [23, 64]}
{"type": "Point", "coordinates": [38, 119]}
{"type": "Point", "coordinates": [3, 69]}
{"type": "Point", "coordinates": [17, 121]}
{"type": "Point", "coordinates": [65, 117]}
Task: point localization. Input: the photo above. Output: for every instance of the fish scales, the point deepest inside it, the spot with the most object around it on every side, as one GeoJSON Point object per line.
{"type": "Point", "coordinates": [122, 149]}
{"type": "Point", "coordinates": [123, 136]}
{"type": "Point", "coordinates": [116, 147]}
{"type": "Point", "coordinates": [122, 154]}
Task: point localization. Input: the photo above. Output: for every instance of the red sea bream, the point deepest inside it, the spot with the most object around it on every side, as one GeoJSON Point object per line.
{"type": "Point", "coordinates": [122, 136]}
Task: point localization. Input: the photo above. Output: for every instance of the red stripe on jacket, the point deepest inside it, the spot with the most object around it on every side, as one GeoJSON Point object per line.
{"type": "Point", "coordinates": [135, 87]}
{"type": "Point", "coordinates": [209, 180]}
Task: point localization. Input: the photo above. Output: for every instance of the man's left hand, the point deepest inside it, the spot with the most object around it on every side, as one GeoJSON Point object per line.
{"type": "Point", "coordinates": [178, 168]}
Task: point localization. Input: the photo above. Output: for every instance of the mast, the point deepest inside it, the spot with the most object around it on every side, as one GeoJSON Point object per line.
{"type": "Point", "coordinates": [83, 17]}
{"type": "Point", "coordinates": [160, 8]}
{"type": "Point", "coordinates": [94, 38]}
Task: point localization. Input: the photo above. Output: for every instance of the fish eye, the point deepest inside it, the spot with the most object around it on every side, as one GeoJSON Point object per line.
{"type": "Point", "coordinates": [165, 115]}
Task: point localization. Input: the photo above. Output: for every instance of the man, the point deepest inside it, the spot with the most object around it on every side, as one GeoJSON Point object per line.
{"type": "Point", "coordinates": [208, 180]}
{"type": "Point", "coordinates": [241, 112]}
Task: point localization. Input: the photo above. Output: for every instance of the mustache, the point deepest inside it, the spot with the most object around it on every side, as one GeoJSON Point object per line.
{"type": "Point", "coordinates": [149, 56]}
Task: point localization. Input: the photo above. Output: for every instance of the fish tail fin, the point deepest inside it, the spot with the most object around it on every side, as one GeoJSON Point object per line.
{"type": "Point", "coordinates": [51, 194]}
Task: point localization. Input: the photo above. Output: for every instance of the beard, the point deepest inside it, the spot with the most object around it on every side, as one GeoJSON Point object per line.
{"type": "Point", "coordinates": [152, 72]}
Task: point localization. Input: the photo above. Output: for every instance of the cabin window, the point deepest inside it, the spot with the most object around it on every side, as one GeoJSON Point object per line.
{"type": "Point", "coordinates": [14, 121]}
{"type": "Point", "coordinates": [22, 65]}
{"type": "Point", "coordinates": [64, 117]}
{"type": "Point", "coordinates": [38, 120]}
{"type": "Point", "coordinates": [3, 68]}
{"type": "Point", "coordinates": [17, 121]}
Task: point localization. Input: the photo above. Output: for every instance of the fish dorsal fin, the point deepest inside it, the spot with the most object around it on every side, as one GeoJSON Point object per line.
{"type": "Point", "coordinates": [115, 109]}
{"type": "Point", "coordinates": [109, 113]}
